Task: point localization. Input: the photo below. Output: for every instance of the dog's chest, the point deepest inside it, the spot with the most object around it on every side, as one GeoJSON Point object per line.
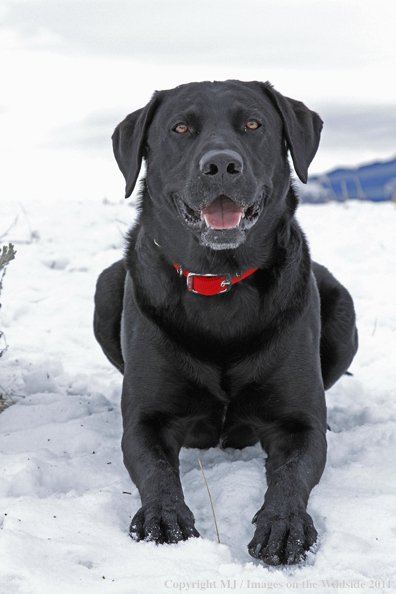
{"type": "Point", "coordinates": [223, 319]}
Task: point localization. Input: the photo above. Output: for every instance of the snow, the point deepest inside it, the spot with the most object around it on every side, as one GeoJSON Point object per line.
{"type": "Point", "coordinates": [65, 497]}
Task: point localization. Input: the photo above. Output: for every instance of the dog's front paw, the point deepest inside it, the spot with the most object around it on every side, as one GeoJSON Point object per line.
{"type": "Point", "coordinates": [282, 539]}
{"type": "Point", "coordinates": [163, 523]}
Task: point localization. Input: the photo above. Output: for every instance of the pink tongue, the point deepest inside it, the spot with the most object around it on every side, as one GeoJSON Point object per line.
{"type": "Point", "coordinates": [222, 213]}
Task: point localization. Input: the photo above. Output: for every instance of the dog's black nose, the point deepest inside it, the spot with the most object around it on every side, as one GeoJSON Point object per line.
{"type": "Point", "coordinates": [221, 162]}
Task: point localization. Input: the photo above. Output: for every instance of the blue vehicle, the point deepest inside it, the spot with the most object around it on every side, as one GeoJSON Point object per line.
{"type": "Point", "coordinates": [376, 182]}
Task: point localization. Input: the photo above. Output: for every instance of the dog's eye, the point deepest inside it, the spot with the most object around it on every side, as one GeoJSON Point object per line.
{"type": "Point", "coordinates": [181, 128]}
{"type": "Point", "coordinates": [252, 125]}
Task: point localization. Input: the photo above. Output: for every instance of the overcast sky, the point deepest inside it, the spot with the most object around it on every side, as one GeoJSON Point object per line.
{"type": "Point", "coordinates": [72, 69]}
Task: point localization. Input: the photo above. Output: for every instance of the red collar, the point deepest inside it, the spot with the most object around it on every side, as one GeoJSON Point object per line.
{"type": "Point", "coordinates": [211, 284]}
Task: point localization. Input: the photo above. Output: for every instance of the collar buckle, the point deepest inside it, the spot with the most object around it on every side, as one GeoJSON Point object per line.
{"type": "Point", "coordinates": [226, 283]}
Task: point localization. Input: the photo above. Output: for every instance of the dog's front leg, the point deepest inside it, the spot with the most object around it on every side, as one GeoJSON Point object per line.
{"type": "Point", "coordinates": [151, 456]}
{"type": "Point", "coordinates": [296, 459]}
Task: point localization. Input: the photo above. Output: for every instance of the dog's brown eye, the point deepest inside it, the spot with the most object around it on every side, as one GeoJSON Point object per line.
{"type": "Point", "coordinates": [181, 128]}
{"type": "Point", "coordinates": [252, 125]}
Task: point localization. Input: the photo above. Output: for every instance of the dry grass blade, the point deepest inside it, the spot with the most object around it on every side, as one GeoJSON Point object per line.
{"type": "Point", "coordinates": [3, 344]}
{"type": "Point", "coordinates": [211, 502]}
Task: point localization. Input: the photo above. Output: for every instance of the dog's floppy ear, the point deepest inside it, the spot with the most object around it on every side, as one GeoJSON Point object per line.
{"type": "Point", "coordinates": [302, 129]}
{"type": "Point", "coordinates": [129, 139]}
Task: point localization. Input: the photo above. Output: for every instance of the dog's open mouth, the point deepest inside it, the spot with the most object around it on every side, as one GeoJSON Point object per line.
{"type": "Point", "coordinates": [223, 223]}
{"type": "Point", "coordinates": [221, 214]}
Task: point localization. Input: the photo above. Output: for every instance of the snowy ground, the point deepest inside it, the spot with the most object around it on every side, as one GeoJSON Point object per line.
{"type": "Point", "coordinates": [65, 497]}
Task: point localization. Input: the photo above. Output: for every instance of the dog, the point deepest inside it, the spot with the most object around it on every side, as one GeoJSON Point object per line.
{"type": "Point", "coordinates": [225, 330]}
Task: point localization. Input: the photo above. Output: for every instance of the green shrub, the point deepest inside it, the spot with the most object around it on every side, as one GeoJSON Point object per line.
{"type": "Point", "coordinates": [7, 254]}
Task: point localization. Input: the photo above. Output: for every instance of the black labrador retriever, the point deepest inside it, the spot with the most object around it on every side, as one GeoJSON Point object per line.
{"type": "Point", "coordinates": [225, 330]}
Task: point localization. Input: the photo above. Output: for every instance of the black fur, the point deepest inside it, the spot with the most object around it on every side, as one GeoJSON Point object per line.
{"type": "Point", "coordinates": [238, 368]}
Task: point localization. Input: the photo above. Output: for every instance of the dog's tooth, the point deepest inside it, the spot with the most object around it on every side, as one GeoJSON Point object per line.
{"type": "Point", "coordinates": [205, 218]}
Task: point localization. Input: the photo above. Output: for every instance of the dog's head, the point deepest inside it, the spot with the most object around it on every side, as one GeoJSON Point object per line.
{"type": "Point", "coordinates": [216, 156]}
